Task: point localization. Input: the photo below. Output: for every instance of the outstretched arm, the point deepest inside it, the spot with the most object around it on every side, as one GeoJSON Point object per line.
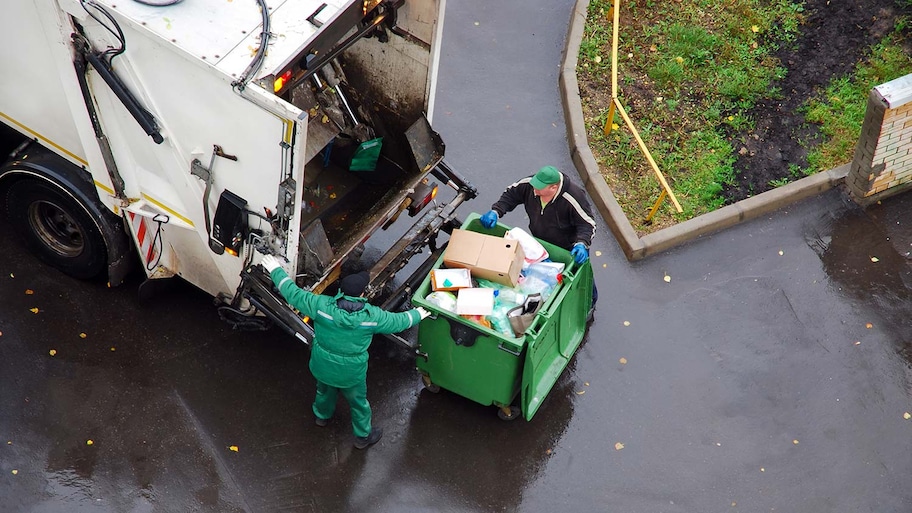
{"type": "Point", "coordinates": [394, 322]}
{"type": "Point", "coordinates": [297, 297]}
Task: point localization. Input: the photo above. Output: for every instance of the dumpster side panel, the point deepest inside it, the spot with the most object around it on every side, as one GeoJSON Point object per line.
{"type": "Point", "coordinates": [557, 333]}
{"type": "Point", "coordinates": [480, 372]}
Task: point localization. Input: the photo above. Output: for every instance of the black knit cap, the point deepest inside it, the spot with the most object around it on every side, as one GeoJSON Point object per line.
{"type": "Point", "coordinates": [354, 284]}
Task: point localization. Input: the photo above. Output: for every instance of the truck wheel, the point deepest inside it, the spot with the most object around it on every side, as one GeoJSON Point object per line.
{"type": "Point", "coordinates": [57, 228]}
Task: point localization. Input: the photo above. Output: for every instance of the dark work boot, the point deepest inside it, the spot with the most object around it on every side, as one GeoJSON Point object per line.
{"type": "Point", "coordinates": [366, 441]}
{"type": "Point", "coordinates": [321, 422]}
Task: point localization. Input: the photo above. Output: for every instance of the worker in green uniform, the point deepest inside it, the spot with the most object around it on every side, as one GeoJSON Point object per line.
{"type": "Point", "coordinates": [344, 325]}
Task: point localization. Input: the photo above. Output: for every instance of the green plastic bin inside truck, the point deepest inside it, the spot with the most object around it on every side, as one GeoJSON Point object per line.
{"type": "Point", "coordinates": [491, 368]}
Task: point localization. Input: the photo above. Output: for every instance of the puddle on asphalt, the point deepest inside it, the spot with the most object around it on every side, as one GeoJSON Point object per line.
{"type": "Point", "coordinates": [866, 254]}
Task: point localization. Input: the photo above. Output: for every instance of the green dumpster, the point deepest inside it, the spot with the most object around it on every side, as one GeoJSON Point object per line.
{"type": "Point", "coordinates": [490, 368]}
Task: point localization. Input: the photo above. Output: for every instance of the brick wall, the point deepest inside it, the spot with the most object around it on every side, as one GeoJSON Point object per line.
{"type": "Point", "coordinates": [883, 156]}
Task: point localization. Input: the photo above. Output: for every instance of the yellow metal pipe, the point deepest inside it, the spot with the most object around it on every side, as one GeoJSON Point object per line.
{"type": "Point", "coordinates": [652, 163]}
{"type": "Point", "coordinates": [608, 124]}
{"type": "Point", "coordinates": [616, 8]}
{"type": "Point", "coordinates": [655, 208]}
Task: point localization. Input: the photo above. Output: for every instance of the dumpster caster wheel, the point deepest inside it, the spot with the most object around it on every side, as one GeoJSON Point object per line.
{"type": "Point", "coordinates": [430, 387]}
{"type": "Point", "coordinates": [508, 412]}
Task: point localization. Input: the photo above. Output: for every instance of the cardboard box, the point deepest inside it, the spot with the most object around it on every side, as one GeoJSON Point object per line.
{"type": "Point", "coordinates": [491, 258]}
{"type": "Point", "coordinates": [450, 279]}
{"type": "Point", "coordinates": [476, 301]}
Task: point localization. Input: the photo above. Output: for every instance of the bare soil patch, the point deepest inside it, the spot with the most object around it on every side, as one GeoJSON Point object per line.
{"type": "Point", "coordinates": [835, 37]}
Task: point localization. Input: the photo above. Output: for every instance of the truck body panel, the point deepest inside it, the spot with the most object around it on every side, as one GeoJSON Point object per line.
{"type": "Point", "coordinates": [183, 122]}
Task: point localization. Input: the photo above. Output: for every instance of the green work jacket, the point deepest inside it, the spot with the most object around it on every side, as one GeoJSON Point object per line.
{"type": "Point", "coordinates": [341, 338]}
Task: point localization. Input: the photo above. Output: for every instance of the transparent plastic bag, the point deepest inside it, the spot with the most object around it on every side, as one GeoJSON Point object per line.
{"type": "Point", "coordinates": [499, 321]}
{"type": "Point", "coordinates": [531, 285]}
{"type": "Point", "coordinates": [443, 300]}
{"type": "Point", "coordinates": [547, 272]}
{"type": "Point", "coordinates": [511, 296]}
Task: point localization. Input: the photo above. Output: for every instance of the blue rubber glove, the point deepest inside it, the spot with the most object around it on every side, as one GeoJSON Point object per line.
{"type": "Point", "coordinates": [580, 253]}
{"type": "Point", "coordinates": [489, 219]}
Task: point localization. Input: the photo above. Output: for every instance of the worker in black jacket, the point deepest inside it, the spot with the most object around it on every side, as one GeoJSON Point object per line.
{"type": "Point", "coordinates": [558, 210]}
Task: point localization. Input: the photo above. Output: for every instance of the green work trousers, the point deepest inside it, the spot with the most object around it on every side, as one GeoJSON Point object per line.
{"type": "Point", "coordinates": [325, 405]}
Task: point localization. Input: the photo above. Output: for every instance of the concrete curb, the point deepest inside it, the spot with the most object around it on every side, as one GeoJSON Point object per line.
{"type": "Point", "coordinates": [634, 247]}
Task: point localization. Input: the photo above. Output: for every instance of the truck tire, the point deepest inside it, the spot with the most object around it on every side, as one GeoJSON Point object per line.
{"type": "Point", "coordinates": [57, 228]}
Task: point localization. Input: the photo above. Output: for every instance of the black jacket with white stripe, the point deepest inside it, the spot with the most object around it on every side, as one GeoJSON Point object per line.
{"type": "Point", "coordinates": [564, 221]}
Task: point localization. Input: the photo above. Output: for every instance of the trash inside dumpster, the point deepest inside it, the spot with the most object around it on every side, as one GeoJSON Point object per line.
{"type": "Point", "coordinates": [505, 335]}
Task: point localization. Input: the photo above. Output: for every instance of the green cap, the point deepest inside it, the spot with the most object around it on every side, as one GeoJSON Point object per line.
{"type": "Point", "coordinates": [546, 176]}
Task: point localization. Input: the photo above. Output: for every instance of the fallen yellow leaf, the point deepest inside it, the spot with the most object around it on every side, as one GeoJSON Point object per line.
{"type": "Point", "coordinates": [667, 279]}
{"type": "Point", "coordinates": [34, 310]}
{"type": "Point", "coordinates": [795, 442]}
{"type": "Point", "coordinates": [586, 383]}
{"type": "Point", "coordinates": [598, 59]}
{"type": "Point", "coordinates": [626, 323]}
{"type": "Point", "coordinates": [11, 275]}
{"type": "Point", "coordinates": [82, 335]}
{"type": "Point", "coordinates": [906, 416]}
{"type": "Point", "coordinates": [233, 448]}
{"type": "Point", "coordinates": [598, 253]}
{"type": "Point", "coordinates": [52, 352]}
{"type": "Point", "coordinates": [762, 469]}
{"type": "Point", "coordinates": [755, 28]}
{"type": "Point", "coordinates": [679, 60]}
{"type": "Point", "coordinates": [869, 325]}
{"type": "Point", "coordinates": [29, 292]}
{"type": "Point", "coordinates": [623, 361]}
{"type": "Point", "coordinates": [90, 442]}
{"type": "Point", "coordinates": [581, 392]}
{"type": "Point", "coordinates": [875, 259]}
{"type": "Point", "coordinates": [618, 446]}
{"type": "Point", "coordinates": [15, 472]}
{"type": "Point", "coordinates": [781, 252]}
{"type": "Point", "coordinates": [112, 349]}
{"type": "Point", "coordinates": [548, 451]}
{"type": "Point", "coordinates": [604, 265]}
{"type": "Point", "coordinates": [858, 342]}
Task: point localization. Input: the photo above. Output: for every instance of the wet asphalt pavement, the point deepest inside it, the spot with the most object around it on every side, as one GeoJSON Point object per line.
{"type": "Point", "coordinates": [752, 381]}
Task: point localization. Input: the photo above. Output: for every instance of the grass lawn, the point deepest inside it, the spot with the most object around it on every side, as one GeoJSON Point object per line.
{"type": "Point", "coordinates": [693, 75]}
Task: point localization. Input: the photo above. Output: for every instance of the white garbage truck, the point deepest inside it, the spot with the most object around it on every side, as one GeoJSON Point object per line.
{"type": "Point", "coordinates": [194, 136]}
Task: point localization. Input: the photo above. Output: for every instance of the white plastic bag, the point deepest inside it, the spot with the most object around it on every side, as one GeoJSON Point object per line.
{"type": "Point", "coordinates": [532, 249]}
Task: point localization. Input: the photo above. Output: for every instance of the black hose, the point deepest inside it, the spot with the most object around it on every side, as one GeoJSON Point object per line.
{"type": "Point", "coordinates": [260, 56]}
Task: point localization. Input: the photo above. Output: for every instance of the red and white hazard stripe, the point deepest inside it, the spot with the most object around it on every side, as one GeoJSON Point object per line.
{"type": "Point", "coordinates": [144, 236]}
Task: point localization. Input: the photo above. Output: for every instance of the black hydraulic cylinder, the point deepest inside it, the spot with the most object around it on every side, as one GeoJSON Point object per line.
{"type": "Point", "coordinates": [141, 115]}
